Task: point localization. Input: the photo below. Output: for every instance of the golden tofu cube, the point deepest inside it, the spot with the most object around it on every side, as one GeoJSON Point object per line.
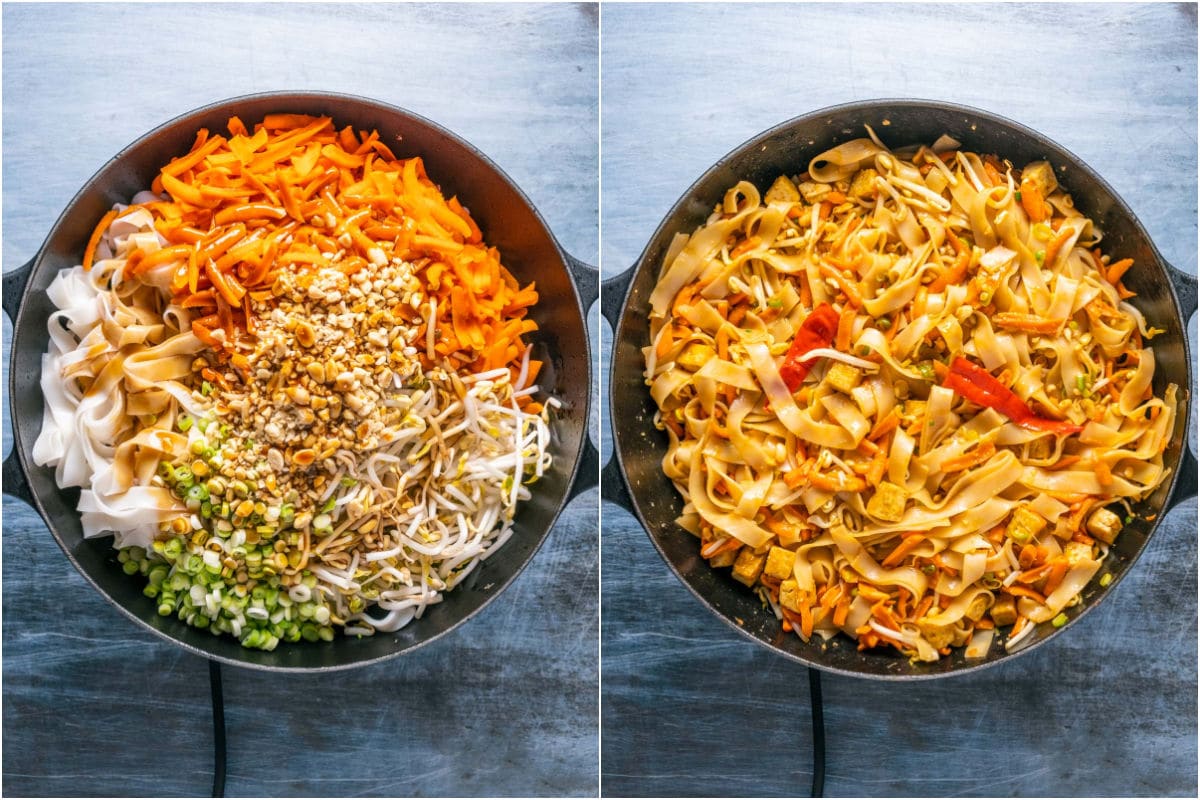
{"type": "Point", "coordinates": [695, 356]}
{"type": "Point", "coordinates": [782, 191]}
{"type": "Point", "coordinates": [1104, 525]}
{"type": "Point", "coordinates": [725, 559]}
{"type": "Point", "coordinates": [1024, 525]}
{"type": "Point", "coordinates": [1041, 175]}
{"type": "Point", "coordinates": [977, 608]}
{"type": "Point", "coordinates": [789, 595]}
{"type": "Point", "coordinates": [888, 502]}
{"type": "Point", "coordinates": [863, 184]}
{"type": "Point", "coordinates": [1039, 448]}
{"type": "Point", "coordinates": [938, 636]}
{"type": "Point", "coordinates": [780, 563]}
{"type": "Point", "coordinates": [748, 566]}
{"type": "Point", "coordinates": [843, 377]}
{"type": "Point", "coordinates": [1077, 552]}
{"type": "Point", "coordinates": [814, 192]}
{"type": "Point", "coordinates": [1004, 611]}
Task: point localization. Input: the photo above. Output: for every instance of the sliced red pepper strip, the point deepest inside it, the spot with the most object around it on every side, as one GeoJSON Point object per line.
{"type": "Point", "coordinates": [817, 330]}
{"type": "Point", "coordinates": [977, 385]}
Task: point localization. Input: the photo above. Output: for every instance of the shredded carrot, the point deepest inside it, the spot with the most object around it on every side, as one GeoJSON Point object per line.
{"type": "Point", "coordinates": [1033, 202]}
{"type": "Point", "coordinates": [745, 246]}
{"type": "Point", "coordinates": [958, 270]}
{"type": "Point", "coordinates": [1023, 592]}
{"type": "Point", "coordinates": [1055, 245]}
{"type": "Point", "coordinates": [844, 329]}
{"type": "Point", "coordinates": [718, 546]}
{"type": "Point", "coordinates": [245, 206]}
{"type": "Point", "coordinates": [666, 342]}
{"type": "Point", "coordinates": [848, 287]}
{"type": "Point", "coordinates": [1115, 271]}
{"type": "Point", "coordinates": [885, 425]}
{"type": "Point", "coordinates": [904, 548]}
{"type": "Point", "coordinates": [94, 241]}
{"type": "Point", "coordinates": [975, 456]}
{"type": "Point", "coordinates": [1103, 472]}
{"type": "Point", "coordinates": [1058, 569]}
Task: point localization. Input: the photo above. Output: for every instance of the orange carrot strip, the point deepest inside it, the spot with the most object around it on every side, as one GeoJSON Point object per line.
{"type": "Point", "coordinates": [1027, 322]}
{"type": "Point", "coordinates": [845, 328]}
{"type": "Point", "coordinates": [1115, 271]}
{"type": "Point", "coordinates": [1055, 245]}
{"type": "Point", "coordinates": [901, 550]}
{"type": "Point", "coordinates": [97, 233]}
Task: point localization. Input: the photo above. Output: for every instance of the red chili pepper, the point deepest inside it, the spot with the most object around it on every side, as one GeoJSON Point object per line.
{"type": "Point", "coordinates": [977, 385]}
{"type": "Point", "coordinates": [817, 330]}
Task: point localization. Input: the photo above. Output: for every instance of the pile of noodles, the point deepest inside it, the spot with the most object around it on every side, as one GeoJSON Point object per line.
{"type": "Point", "coordinates": [742, 445]}
{"type": "Point", "coordinates": [117, 374]}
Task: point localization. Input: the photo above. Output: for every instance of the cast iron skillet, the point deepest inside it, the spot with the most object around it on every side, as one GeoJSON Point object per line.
{"type": "Point", "coordinates": [509, 221]}
{"type": "Point", "coordinates": [634, 479]}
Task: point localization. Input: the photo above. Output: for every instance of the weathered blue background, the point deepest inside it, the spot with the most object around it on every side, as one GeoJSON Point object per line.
{"type": "Point", "coordinates": [507, 705]}
{"type": "Point", "coordinates": [688, 706]}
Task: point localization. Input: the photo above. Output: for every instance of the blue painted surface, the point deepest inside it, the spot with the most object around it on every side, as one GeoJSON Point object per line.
{"type": "Point", "coordinates": [507, 704]}
{"type": "Point", "coordinates": [691, 708]}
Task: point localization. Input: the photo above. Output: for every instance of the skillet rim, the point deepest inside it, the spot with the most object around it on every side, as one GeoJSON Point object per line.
{"type": "Point", "coordinates": [298, 98]}
{"type": "Point", "coordinates": [884, 104]}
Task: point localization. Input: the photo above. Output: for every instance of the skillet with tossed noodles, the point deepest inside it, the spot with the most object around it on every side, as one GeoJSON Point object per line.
{"type": "Point", "coordinates": [906, 399]}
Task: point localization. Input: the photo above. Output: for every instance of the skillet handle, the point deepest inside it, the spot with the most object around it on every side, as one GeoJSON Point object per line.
{"type": "Point", "coordinates": [588, 475]}
{"type": "Point", "coordinates": [15, 282]}
{"type": "Point", "coordinates": [13, 477]}
{"type": "Point", "coordinates": [612, 485]}
{"type": "Point", "coordinates": [1185, 484]}
{"type": "Point", "coordinates": [586, 279]}
{"type": "Point", "coordinates": [1185, 290]}
{"type": "Point", "coordinates": [612, 302]}
{"type": "Point", "coordinates": [612, 296]}
{"type": "Point", "coordinates": [14, 481]}
{"type": "Point", "coordinates": [1184, 284]}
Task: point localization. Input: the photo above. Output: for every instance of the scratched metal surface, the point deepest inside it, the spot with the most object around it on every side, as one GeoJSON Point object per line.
{"type": "Point", "coordinates": [507, 705]}
{"type": "Point", "coordinates": [691, 708]}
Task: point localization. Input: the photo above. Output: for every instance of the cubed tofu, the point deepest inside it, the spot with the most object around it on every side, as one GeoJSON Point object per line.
{"type": "Point", "coordinates": [780, 563]}
{"type": "Point", "coordinates": [725, 559]}
{"type": "Point", "coordinates": [789, 595]}
{"type": "Point", "coordinates": [863, 185]}
{"type": "Point", "coordinates": [843, 377]}
{"type": "Point", "coordinates": [978, 607]}
{"type": "Point", "coordinates": [888, 502]}
{"type": "Point", "coordinates": [1039, 448]}
{"type": "Point", "coordinates": [1104, 525]}
{"type": "Point", "coordinates": [695, 356]}
{"type": "Point", "coordinates": [1004, 611]}
{"type": "Point", "coordinates": [1024, 525]}
{"type": "Point", "coordinates": [814, 192]}
{"type": "Point", "coordinates": [782, 191]}
{"type": "Point", "coordinates": [938, 636]}
{"type": "Point", "coordinates": [748, 566]}
{"type": "Point", "coordinates": [1077, 552]}
{"type": "Point", "coordinates": [1041, 175]}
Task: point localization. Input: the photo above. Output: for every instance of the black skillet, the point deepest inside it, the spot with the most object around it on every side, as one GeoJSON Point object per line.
{"type": "Point", "coordinates": [634, 479]}
{"type": "Point", "coordinates": [509, 221]}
